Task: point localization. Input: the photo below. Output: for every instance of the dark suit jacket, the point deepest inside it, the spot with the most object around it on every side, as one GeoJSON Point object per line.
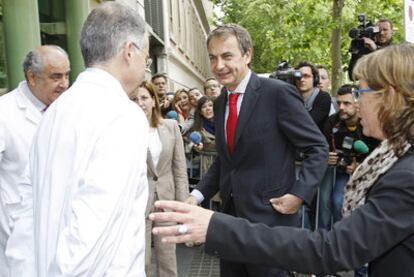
{"type": "Point", "coordinates": [380, 232]}
{"type": "Point", "coordinates": [272, 124]}
{"type": "Point", "coordinates": [321, 108]}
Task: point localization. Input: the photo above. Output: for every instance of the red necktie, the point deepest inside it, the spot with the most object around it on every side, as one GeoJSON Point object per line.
{"type": "Point", "coordinates": [231, 120]}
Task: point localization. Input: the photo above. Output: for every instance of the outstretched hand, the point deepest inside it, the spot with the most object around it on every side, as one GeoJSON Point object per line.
{"type": "Point", "coordinates": [195, 218]}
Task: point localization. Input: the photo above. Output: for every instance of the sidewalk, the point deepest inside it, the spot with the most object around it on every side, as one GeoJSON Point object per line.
{"type": "Point", "coordinates": [193, 262]}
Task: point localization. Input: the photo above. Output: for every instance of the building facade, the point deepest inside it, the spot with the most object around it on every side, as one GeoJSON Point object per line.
{"type": "Point", "coordinates": [178, 30]}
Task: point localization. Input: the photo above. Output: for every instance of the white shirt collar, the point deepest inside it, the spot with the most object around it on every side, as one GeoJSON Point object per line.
{"type": "Point", "coordinates": [241, 88]}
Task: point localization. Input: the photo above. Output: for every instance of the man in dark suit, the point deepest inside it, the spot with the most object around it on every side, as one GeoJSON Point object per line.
{"type": "Point", "coordinates": [260, 123]}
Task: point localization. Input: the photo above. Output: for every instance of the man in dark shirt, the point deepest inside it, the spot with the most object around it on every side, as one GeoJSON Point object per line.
{"type": "Point", "coordinates": [317, 102]}
{"type": "Point", "coordinates": [342, 130]}
{"type": "Point", "coordinates": [382, 39]}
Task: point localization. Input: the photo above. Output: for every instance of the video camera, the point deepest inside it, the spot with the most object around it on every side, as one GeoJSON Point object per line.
{"type": "Point", "coordinates": [286, 73]}
{"type": "Point", "coordinates": [365, 29]}
{"type": "Point", "coordinates": [350, 149]}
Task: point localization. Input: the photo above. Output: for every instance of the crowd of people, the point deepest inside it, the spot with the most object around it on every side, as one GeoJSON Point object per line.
{"type": "Point", "coordinates": [83, 183]}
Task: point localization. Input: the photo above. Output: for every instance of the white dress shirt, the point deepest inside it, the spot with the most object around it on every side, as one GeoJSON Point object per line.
{"type": "Point", "coordinates": [155, 146]}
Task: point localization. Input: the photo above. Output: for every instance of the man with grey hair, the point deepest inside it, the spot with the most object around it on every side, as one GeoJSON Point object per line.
{"type": "Point", "coordinates": [260, 123]}
{"type": "Point", "coordinates": [88, 159]}
{"type": "Point", "coordinates": [46, 70]}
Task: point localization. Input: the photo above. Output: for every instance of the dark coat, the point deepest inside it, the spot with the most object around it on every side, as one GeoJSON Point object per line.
{"type": "Point", "coordinates": [381, 233]}
{"type": "Point", "coordinates": [272, 124]}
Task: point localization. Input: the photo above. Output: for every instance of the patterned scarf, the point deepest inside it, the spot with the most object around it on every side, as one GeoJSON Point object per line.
{"type": "Point", "coordinates": [367, 173]}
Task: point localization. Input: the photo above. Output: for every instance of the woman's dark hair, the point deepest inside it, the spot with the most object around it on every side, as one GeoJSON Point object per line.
{"type": "Point", "coordinates": [198, 117]}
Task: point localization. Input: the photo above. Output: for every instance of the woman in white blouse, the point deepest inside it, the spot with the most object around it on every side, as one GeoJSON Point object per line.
{"type": "Point", "coordinates": [167, 174]}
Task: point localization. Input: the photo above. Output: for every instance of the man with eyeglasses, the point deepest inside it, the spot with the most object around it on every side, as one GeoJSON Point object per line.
{"type": "Point", "coordinates": [212, 87]}
{"type": "Point", "coordinates": [317, 102]}
{"type": "Point", "coordinates": [88, 159]}
{"type": "Point", "coordinates": [160, 83]}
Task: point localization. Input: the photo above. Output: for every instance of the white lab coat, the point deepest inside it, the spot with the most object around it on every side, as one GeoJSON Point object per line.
{"type": "Point", "coordinates": [88, 170]}
{"type": "Point", "coordinates": [19, 118]}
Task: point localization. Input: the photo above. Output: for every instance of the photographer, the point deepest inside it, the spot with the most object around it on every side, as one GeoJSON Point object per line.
{"type": "Point", "coordinates": [342, 130]}
{"type": "Point", "coordinates": [317, 102]}
{"type": "Point", "coordinates": [368, 38]}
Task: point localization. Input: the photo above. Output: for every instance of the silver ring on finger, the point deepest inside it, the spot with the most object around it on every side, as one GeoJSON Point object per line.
{"type": "Point", "coordinates": [182, 229]}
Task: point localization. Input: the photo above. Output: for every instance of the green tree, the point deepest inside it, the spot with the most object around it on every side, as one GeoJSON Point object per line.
{"type": "Point", "coordinates": [313, 30]}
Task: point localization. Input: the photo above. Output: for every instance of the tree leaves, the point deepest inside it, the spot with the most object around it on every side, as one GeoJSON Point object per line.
{"type": "Point", "coordinates": [296, 30]}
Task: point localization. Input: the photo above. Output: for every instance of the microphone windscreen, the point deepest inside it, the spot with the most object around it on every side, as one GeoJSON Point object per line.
{"type": "Point", "coordinates": [172, 115]}
{"type": "Point", "coordinates": [361, 147]}
{"type": "Point", "coordinates": [195, 137]}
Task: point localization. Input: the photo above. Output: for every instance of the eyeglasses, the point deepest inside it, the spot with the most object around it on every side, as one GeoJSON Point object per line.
{"type": "Point", "coordinates": [356, 93]}
{"type": "Point", "coordinates": [211, 86]}
{"type": "Point", "coordinates": [148, 60]}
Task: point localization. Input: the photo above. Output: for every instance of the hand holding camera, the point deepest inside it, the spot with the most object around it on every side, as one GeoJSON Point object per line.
{"type": "Point", "coordinates": [351, 148]}
{"type": "Point", "coordinates": [332, 159]}
{"type": "Point", "coordinates": [370, 44]}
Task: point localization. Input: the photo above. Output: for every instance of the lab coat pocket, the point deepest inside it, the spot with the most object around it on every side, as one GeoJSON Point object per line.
{"type": "Point", "coordinates": [10, 203]}
{"type": "Point", "coordinates": [17, 205]}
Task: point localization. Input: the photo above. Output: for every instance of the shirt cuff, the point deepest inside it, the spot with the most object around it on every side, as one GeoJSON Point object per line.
{"type": "Point", "coordinates": [198, 195]}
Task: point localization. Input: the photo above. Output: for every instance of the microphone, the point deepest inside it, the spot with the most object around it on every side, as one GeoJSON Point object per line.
{"type": "Point", "coordinates": [360, 147]}
{"type": "Point", "coordinates": [195, 137]}
{"type": "Point", "coordinates": [172, 115]}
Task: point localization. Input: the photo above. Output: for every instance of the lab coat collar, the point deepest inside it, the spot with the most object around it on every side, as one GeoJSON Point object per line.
{"type": "Point", "coordinates": [31, 112]}
{"type": "Point", "coordinates": [100, 76]}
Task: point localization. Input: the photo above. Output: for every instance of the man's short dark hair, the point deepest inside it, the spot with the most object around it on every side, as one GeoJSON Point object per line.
{"type": "Point", "coordinates": [346, 89]}
{"type": "Point", "coordinates": [241, 34]}
{"type": "Point", "coordinates": [383, 20]}
{"type": "Point", "coordinates": [321, 66]}
{"type": "Point", "coordinates": [158, 75]}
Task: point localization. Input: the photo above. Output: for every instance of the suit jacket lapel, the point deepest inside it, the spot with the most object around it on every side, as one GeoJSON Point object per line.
{"type": "Point", "coordinates": [163, 134]}
{"type": "Point", "coordinates": [219, 117]}
{"type": "Point", "coordinates": [250, 98]}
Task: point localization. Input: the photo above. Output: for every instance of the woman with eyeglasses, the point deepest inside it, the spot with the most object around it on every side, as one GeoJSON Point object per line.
{"type": "Point", "coordinates": [167, 174]}
{"type": "Point", "coordinates": [378, 223]}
